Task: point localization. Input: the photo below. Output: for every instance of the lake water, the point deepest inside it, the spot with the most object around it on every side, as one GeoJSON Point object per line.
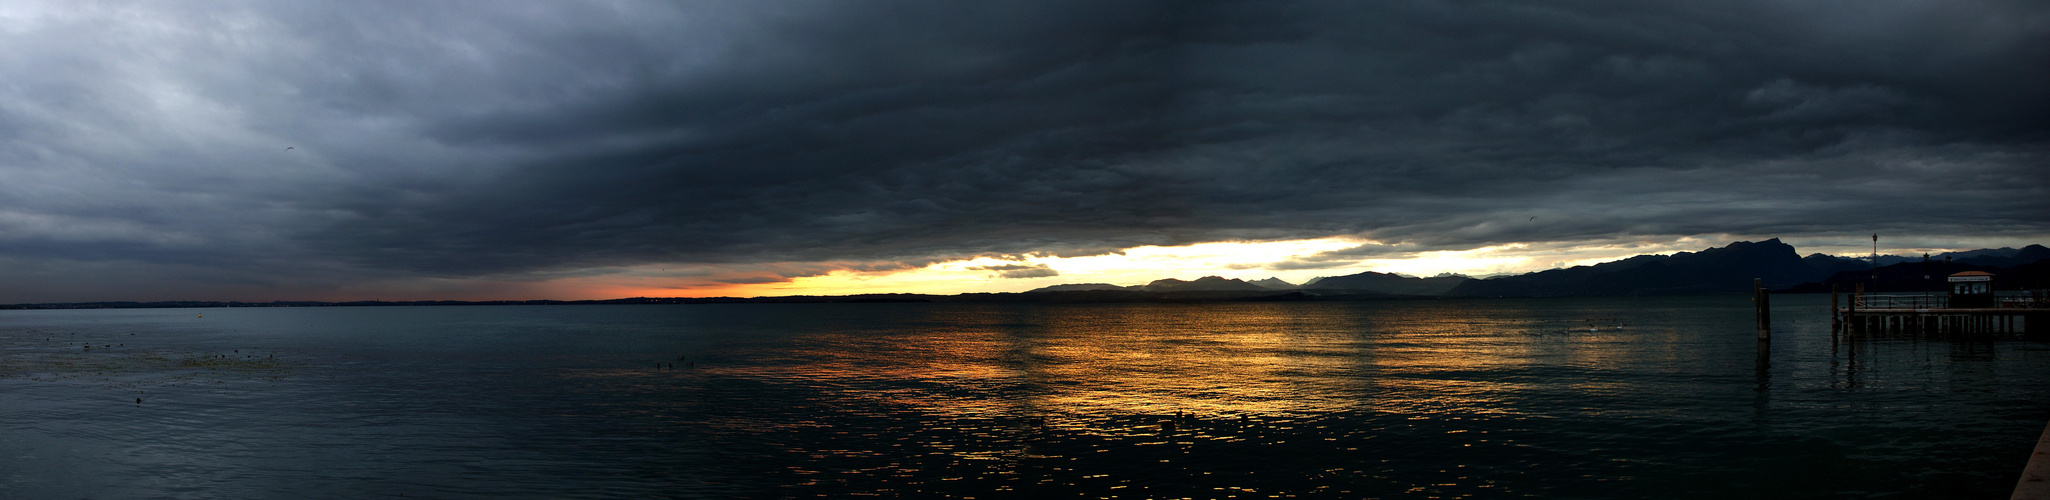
{"type": "Point", "coordinates": [1551, 398]}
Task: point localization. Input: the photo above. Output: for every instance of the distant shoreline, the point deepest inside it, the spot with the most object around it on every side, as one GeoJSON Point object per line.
{"type": "Point", "coordinates": [1728, 270]}
{"type": "Point", "coordinates": [1063, 297]}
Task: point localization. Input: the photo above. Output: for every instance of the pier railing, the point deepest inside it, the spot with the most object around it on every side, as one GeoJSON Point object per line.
{"type": "Point", "coordinates": [1872, 301]}
{"type": "Point", "coordinates": [1936, 314]}
{"type": "Point", "coordinates": [1876, 301]}
{"type": "Point", "coordinates": [2029, 302]}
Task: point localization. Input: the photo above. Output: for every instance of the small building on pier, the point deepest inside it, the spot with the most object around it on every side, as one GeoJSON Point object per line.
{"type": "Point", "coordinates": [1972, 289]}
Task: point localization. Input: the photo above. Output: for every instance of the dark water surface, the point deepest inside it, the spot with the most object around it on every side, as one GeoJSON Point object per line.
{"type": "Point", "coordinates": [1549, 398]}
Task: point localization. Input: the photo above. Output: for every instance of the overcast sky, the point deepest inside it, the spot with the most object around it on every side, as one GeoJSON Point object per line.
{"type": "Point", "coordinates": [526, 149]}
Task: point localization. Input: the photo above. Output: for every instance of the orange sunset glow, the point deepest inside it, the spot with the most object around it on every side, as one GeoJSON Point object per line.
{"type": "Point", "coordinates": [1295, 261]}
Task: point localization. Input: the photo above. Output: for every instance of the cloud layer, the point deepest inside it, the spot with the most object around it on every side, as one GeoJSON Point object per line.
{"type": "Point", "coordinates": [144, 145]}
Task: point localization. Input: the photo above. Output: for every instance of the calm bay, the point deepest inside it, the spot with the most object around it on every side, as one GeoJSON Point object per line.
{"type": "Point", "coordinates": [1637, 397]}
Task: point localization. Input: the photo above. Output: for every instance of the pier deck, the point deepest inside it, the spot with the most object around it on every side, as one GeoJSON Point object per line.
{"type": "Point", "coordinates": [1932, 314]}
{"type": "Point", "coordinates": [2035, 481]}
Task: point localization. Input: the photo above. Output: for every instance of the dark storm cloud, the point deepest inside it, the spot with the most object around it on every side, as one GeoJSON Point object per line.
{"type": "Point", "coordinates": [1019, 270]}
{"type": "Point", "coordinates": [463, 140]}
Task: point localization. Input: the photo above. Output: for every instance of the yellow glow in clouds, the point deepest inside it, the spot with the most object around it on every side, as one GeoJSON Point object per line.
{"type": "Point", "coordinates": [1295, 261]}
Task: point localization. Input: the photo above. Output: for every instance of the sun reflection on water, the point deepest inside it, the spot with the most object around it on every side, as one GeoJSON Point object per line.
{"type": "Point", "coordinates": [1082, 398]}
{"type": "Point", "coordinates": [1432, 398]}
{"type": "Point", "coordinates": [1204, 360]}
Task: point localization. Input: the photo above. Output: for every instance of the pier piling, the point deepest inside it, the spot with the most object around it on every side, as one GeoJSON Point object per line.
{"type": "Point", "coordinates": [1763, 301]}
{"type": "Point", "coordinates": [1836, 318]}
{"type": "Point", "coordinates": [1851, 313]}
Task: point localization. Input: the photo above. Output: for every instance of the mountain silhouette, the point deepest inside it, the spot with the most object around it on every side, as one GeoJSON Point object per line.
{"type": "Point", "coordinates": [1203, 284]}
{"type": "Point", "coordinates": [1930, 276]}
{"type": "Point", "coordinates": [1729, 269]}
{"type": "Point", "coordinates": [1275, 284]}
{"type": "Point", "coordinates": [1996, 257]}
{"type": "Point", "coordinates": [2003, 257]}
{"type": "Point", "coordinates": [1083, 287]}
{"type": "Point", "coordinates": [1386, 283]}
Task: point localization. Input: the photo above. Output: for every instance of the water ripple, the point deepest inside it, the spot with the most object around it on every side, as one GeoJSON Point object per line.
{"type": "Point", "coordinates": [1580, 398]}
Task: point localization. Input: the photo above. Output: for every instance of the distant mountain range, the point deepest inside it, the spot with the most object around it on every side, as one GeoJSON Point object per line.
{"type": "Point", "coordinates": [1385, 283]}
{"type": "Point", "coordinates": [1205, 284]}
{"type": "Point", "coordinates": [1989, 257]}
{"type": "Point", "coordinates": [1729, 269]}
{"type": "Point", "coordinates": [1917, 275]}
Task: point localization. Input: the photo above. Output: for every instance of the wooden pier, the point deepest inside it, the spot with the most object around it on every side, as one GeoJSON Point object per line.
{"type": "Point", "coordinates": [1983, 313]}
{"type": "Point", "coordinates": [1865, 314]}
{"type": "Point", "coordinates": [2035, 481]}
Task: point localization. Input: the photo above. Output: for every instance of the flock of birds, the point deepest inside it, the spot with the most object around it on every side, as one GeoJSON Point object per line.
{"type": "Point", "coordinates": [687, 364]}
